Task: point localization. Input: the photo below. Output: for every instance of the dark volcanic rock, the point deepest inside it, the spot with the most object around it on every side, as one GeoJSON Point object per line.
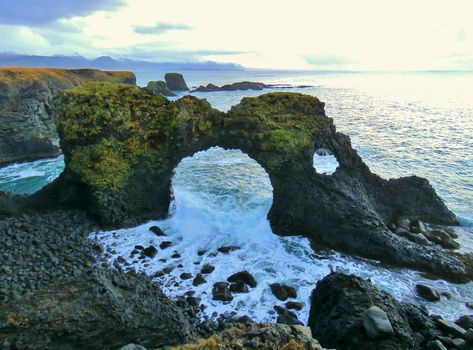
{"type": "Point", "coordinates": [295, 305]}
{"type": "Point", "coordinates": [243, 277]}
{"type": "Point", "coordinates": [150, 252]}
{"type": "Point", "coordinates": [336, 316]}
{"type": "Point", "coordinates": [286, 319]}
{"type": "Point", "coordinates": [239, 287]}
{"type": "Point", "coordinates": [165, 244]}
{"type": "Point", "coordinates": [159, 88]}
{"type": "Point", "coordinates": [427, 292]}
{"type": "Point", "coordinates": [198, 280]}
{"type": "Point", "coordinates": [175, 82]}
{"type": "Point", "coordinates": [221, 291]}
{"type": "Point", "coordinates": [228, 249]}
{"type": "Point", "coordinates": [244, 85]}
{"type": "Point", "coordinates": [207, 268]}
{"type": "Point", "coordinates": [104, 310]}
{"type": "Point", "coordinates": [186, 275]}
{"type": "Point", "coordinates": [121, 170]}
{"type": "Point", "coordinates": [27, 128]}
{"type": "Point", "coordinates": [157, 231]}
{"type": "Point", "coordinates": [283, 291]}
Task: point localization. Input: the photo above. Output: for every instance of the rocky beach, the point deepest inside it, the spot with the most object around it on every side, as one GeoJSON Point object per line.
{"type": "Point", "coordinates": [74, 274]}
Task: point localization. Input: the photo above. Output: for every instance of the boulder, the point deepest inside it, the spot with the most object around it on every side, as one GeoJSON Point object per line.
{"type": "Point", "coordinates": [239, 287]}
{"type": "Point", "coordinates": [221, 291]}
{"type": "Point", "coordinates": [159, 88]}
{"type": "Point", "coordinates": [243, 277]}
{"type": "Point", "coordinates": [465, 321]}
{"type": "Point", "coordinates": [342, 317]}
{"type": "Point", "coordinates": [283, 291]}
{"type": "Point", "coordinates": [436, 345]}
{"type": "Point", "coordinates": [150, 251]}
{"type": "Point", "coordinates": [175, 82]}
{"type": "Point", "coordinates": [198, 280]}
{"type": "Point", "coordinates": [376, 323]}
{"type": "Point", "coordinates": [130, 142]}
{"type": "Point", "coordinates": [427, 292]}
{"type": "Point", "coordinates": [451, 328]}
{"type": "Point", "coordinates": [27, 128]}
{"type": "Point", "coordinates": [157, 231]}
{"type": "Point", "coordinates": [132, 347]}
{"type": "Point", "coordinates": [102, 310]}
{"type": "Point", "coordinates": [207, 268]}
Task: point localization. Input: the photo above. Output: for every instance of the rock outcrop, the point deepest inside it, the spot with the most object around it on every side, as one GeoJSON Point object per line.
{"type": "Point", "coordinates": [27, 129]}
{"type": "Point", "coordinates": [340, 317]}
{"type": "Point", "coordinates": [104, 310]}
{"type": "Point", "coordinates": [159, 88]}
{"type": "Point", "coordinates": [175, 82]}
{"type": "Point", "coordinates": [121, 145]}
{"type": "Point", "coordinates": [244, 85]}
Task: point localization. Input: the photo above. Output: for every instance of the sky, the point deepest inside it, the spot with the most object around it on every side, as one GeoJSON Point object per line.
{"type": "Point", "coordinates": [297, 34]}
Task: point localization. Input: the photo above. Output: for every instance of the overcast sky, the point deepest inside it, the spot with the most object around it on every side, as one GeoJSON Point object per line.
{"type": "Point", "coordinates": [300, 34]}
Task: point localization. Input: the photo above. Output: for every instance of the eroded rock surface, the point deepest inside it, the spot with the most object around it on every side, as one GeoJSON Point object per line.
{"type": "Point", "coordinates": [339, 305]}
{"type": "Point", "coordinates": [121, 146]}
{"type": "Point", "coordinates": [104, 310]}
{"type": "Point", "coordinates": [175, 82]}
{"type": "Point", "coordinates": [27, 129]}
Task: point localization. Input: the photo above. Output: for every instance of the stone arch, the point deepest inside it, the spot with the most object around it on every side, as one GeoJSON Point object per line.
{"type": "Point", "coordinates": [121, 145]}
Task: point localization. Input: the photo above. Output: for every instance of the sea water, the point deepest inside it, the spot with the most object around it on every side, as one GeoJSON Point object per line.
{"type": "Point", "coordinates": [401, 124]}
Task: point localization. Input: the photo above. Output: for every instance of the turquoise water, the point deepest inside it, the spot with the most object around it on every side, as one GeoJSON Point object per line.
{"type": "Point", "coordinates": [401, 124]}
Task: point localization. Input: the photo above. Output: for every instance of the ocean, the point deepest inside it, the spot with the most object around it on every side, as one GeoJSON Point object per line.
{"type": "Point", "coordinates": [400, 123]}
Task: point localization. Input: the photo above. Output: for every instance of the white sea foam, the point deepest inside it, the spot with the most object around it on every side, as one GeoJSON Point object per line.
{"type": "Point", "coordinates": [222, 198]}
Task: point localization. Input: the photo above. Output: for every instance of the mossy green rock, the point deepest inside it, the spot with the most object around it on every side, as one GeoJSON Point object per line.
{"type": "Point", "coordinates": [121, 145]}
{"type": "Point", "coordinates": [27, 129]}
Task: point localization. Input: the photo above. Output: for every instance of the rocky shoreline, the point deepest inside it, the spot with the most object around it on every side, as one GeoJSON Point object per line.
{"type": "Point", "coordinates": [121, 145]}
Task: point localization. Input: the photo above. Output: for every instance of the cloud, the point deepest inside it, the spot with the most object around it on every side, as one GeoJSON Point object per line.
{"type": "Point", "coordinates": [160, 28]}
{"type": "Point", "coordinates": [33, 13]}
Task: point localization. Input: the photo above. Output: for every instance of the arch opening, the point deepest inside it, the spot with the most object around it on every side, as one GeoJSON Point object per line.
{"type": "Point", "coordinates": [325, 162]}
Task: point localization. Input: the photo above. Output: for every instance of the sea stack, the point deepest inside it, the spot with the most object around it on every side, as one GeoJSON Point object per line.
{"type": "Point", "coordinates": [175, 82]}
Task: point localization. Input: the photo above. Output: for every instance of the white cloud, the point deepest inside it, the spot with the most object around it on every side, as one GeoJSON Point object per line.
{"type": "Point", "coordinates": [305, 34]}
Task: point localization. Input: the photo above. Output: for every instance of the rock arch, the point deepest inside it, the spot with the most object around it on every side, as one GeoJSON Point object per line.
{"type": "Point", "coordinates": [121, 145]}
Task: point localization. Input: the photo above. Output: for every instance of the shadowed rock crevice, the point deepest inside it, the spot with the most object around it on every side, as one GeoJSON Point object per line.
{"type": "Point", "coordinates": [121, 145]}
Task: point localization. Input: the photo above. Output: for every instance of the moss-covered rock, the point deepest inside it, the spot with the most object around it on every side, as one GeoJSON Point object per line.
{"type": "Point", "coordinates": [121, 145]}
{"type": "Point", "coordinates": [27, 130]}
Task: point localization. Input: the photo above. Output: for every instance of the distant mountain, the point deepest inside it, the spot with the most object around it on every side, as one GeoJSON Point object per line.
{"type": "Point", "coordinates": [109, 63]}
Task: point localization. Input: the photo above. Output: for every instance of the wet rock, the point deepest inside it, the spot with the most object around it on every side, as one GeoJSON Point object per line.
{"type": "Point", "coordinates": [294, 305]}
{"type": "Point", "coordinates": [465, 321]}
{"type": "Point", "coordinates": [198, 280]}
{"type": "Point", "coordinates": [469, 305]}
{"type": "Point", "coordinates": [243, 277]}
{"type": "Point", "coordinates": [291, 321]}
{"type": "Point", "coordinates": [159, 88]}
{"type": "Point", "coordinates": [221, 291]}
{"type": "Point", "coordinates": [186, 275]}
{"type": "Point", "coordinates": [165, 244]}
{"type": "Point", "coordinates": [157, 231]}
{"type": "Point", "coordinates": [418, 227]}
{"type": "Point", "coordinates": [139, 247]}
{"type": "Point", "coordinates": [419, 239]}
{"type": "Point", "coordinates": [207, 268]}
{"type": "Point", "coordinates": [239, 287]}
{"type": "Point", "coordinates": [227, 249]}
{"type": "Point", "coordinates": [175, 82]}
{"type": "Point", "coordinates": [376, 323]}
{"type": "Point", "coordinates": [121, 308]}
{"type": "Point", "coordinates": [427, 292]}
{"type": "Point", "coordinates": [338, 304]}
{"type": "Point", "coordinates": [176, 255]}
{"type": "Point", "coordinates": [201, 252]}
{"type": "Point", "coordinates": [459, 343]}
{"type": "Point", "coordinates": [150, 252]}
{"type": "Point", "coordinates": [404, 223]}
{"type": "Point", "coordinates": [469, 336]}
{"type": "Point", "coordinates": [436, 345]}
{"type": "Point", "coordinates": [451, 328]}
{"type": "Point", "coordinates": [280, 310]}
{"type": "Point", "coordinates": [283, 291]}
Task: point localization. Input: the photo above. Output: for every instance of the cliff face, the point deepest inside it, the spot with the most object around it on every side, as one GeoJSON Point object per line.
{"type": "Point", "coordinates": [27, 130]}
